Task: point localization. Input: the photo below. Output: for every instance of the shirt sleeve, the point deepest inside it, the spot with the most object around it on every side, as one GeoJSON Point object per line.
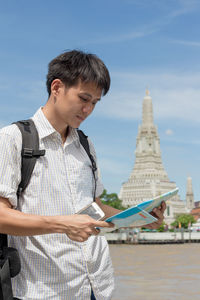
{"type": "Point", "coordinates": [10, 167]}
{"type": "Point", "coordinates": [99, 184]}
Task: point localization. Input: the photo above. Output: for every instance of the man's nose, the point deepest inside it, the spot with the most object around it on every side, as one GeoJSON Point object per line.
{"type": "Point", "coordinates": [88, 107]}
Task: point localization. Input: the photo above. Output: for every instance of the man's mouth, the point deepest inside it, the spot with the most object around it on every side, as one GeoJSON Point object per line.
{"type": "Point", "coordinates": [81, 118]}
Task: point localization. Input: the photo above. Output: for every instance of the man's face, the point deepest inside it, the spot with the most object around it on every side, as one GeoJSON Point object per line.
{"type": "Point", "coordinates": [74, 104]}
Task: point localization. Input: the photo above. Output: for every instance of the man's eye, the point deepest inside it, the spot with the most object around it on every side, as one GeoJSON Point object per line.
{"type": "Point", "coordinates": [83, 99]}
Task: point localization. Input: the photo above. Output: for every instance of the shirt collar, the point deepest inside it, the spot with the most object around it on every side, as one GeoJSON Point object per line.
{"type": "Point", "coordinates": [45, 128]}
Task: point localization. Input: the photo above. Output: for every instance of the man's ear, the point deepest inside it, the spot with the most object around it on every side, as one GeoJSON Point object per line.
{"type": "Point", "coordinates": [56, 86]}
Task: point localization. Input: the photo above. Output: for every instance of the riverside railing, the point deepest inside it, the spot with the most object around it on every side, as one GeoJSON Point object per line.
{"type": "Point", "coordinates": [131, 236]}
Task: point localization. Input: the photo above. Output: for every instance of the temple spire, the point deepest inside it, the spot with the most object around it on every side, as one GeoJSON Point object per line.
{"type": "Point", "coordinates": [148, 177]}
{"type": "Point", "coordinates": [147, 117]}
{"type": "Point", "coordinates": [189, 194]}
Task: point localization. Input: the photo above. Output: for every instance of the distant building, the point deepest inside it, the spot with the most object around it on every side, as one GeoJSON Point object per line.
{"type": "Point", "coordinates": [197, 204]}
{"type": "Point", "coordinates": [189, 194]}
{"type": "Point", "coordinates": [148, 177]}
{"type": "Point", "coordinates": [195, 212]}
{"type": "Point", "coordinates": [193, 206]}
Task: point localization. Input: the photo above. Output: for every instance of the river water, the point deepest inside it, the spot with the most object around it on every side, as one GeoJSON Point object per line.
{"type": "Point", "coordinates": [156, 272]}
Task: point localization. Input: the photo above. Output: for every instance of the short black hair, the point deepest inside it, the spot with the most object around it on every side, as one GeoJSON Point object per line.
{"type": "Point", "coordinates": [72, 66]}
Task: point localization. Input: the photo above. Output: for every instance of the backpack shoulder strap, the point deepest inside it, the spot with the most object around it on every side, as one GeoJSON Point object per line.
{"type": "Point", "coordinates": [30, 151]}
{"type": "Point", "coordinates": [84, 142]}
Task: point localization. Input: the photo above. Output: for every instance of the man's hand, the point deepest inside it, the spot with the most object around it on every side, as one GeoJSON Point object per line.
{"type": "Point", "coordinates": [157, 213]}
{"type": "Point", "coordinates": [80, 227]}
{"type": "Point", "coordinates": [77, 227]}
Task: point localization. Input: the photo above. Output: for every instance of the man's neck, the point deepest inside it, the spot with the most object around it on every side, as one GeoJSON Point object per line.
{"type": "Point", "coordinates": [60, 128]}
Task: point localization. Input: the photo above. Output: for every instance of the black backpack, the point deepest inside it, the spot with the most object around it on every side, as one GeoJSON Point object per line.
{"type": "Point", "coordinates": [9, 259]}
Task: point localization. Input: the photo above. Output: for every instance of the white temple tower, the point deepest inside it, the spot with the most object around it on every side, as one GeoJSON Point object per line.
{"type": "Point", "coordinates": [148, 177]}
{"type": "Point", "coordinates": [189, 194]}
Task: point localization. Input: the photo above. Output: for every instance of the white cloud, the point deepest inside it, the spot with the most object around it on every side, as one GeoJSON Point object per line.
{"type": "Point", "coordinates": [184, 142]}
{"type": "Point", "coordinates": [184, 8]}
{"type": "Point", "coordinates": [168, 12]}
{"type": "Point", "coordinates": [169, 132]}
{"type": "Point", "coordinates": [35, 89]}
{"type": "Point", "coordinates": [113, 167]}
{"type": "Point", "coordinates": [186, 43]}
{"type": "Point", "coordinates": [4, 87]}
{"type": "Point", "coordinates": [174, 96]}
{"type": "Point", "coordinates": [142, 32]}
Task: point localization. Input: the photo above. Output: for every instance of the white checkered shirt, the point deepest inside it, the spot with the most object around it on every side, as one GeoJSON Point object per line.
{"type": "Point", "coordinates": [53, 266]}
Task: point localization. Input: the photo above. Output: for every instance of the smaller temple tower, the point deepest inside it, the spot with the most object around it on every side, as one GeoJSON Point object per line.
{"type": "Point", "coordinates": [189, 194]}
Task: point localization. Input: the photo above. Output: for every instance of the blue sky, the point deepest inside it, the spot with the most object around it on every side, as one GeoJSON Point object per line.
{"type": "Point", "coordinates": [154, 43]}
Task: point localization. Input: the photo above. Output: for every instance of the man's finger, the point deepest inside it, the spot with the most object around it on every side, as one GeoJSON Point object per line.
{"type": "Point", "coordinates": [158, 213]}
{"type": "Point", "coordinates": [96, 231]}
{"type": "Point", "coordinates": [104, 224]}
{"type": "Point", "coordinates": [163, 206]}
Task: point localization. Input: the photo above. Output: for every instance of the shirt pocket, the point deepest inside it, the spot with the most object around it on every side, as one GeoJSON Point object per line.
{"type": "Point", "coordinates": [80, 175]}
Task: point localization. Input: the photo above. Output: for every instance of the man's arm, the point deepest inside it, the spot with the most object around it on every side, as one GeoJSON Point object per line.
{"type": "Point", "coordinates": [157, 213]}
{"type": "Point", "coordinates": [108, 210]}
{"type": "Point", "coordinates": [77, 227]}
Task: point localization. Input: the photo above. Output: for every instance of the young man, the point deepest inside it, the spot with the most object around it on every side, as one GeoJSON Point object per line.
{"type": "Point", "coordinates": [62, 256]}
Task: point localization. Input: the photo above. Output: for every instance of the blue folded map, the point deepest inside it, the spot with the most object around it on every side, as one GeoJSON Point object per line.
{"type": "Point", "coordinates": [139, 215]}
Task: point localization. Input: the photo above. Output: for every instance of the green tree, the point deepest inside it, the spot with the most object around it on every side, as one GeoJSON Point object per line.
{"type": "Point", "coordinates": [112, 200]}
{"type": "Point", "coordinates": [184, 220]}
{"type": "Point", "coordinates": [162, 227]}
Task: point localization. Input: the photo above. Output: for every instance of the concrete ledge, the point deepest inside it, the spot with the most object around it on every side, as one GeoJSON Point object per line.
{"type": "Point", "coordinates": [153, 237]}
